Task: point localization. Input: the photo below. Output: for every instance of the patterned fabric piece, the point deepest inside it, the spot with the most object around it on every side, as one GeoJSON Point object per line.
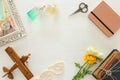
{"type": "Point", "coordinates": [113, 71]}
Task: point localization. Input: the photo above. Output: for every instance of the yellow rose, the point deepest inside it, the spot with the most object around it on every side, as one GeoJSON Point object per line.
{"type": "Point", "coordinates": [90, 58]}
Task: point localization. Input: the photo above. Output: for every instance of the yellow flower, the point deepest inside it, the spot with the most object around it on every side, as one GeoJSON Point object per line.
{"type": "Point", "coordinates": [90, 58]}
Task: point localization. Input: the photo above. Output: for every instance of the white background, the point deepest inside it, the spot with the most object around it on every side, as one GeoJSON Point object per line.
{"type": "Point", "coordinates": [62, 39]}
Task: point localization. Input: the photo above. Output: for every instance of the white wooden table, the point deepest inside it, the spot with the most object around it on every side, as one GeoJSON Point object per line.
{"type": "Point", "coordinates": [64, 39]}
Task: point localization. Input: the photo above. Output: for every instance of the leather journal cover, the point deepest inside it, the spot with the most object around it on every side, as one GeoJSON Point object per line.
{"type": "Point", "coordinates": [109, 69]}
{"type": "Point", "coordinates": [105, 18]}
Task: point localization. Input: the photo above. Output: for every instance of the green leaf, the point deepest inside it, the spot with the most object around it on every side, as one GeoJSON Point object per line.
{"type": "Point", "coordinates": [88, 72]}
{"type": "Point", "coordinates": [78, 65]}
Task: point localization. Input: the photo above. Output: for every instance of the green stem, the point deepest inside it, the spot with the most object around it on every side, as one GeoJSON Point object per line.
{"type": "Point", "coordinates": [82, 72]}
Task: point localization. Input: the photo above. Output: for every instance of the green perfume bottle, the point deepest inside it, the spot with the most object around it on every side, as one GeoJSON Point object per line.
{"type": "Point", "coordinates": [35, 12]}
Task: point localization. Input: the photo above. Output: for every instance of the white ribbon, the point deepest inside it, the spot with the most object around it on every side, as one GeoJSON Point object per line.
{"type": "Point", "coordinates": [51, 72]}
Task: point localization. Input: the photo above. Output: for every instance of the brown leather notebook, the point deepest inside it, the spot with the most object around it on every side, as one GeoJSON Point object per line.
{"type": "Point", "coordinates": [105, 18]}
